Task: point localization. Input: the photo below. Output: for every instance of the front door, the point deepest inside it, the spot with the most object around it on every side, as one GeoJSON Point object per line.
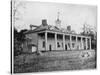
{"type": "Point", "coordinates": [65, 47]}
{"type": "Point", "coordinates": [50, 48]}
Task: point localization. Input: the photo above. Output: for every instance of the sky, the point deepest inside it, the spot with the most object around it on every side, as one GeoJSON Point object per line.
{"type": "Point", "coordinates": [30, 12]}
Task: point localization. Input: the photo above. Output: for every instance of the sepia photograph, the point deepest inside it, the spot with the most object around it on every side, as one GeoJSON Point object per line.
{"type": "Point", "coordinates": [50, 36]}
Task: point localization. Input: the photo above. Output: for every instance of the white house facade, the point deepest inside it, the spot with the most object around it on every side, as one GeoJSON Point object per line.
{"type": "Point", "coordinates": [49, 38]}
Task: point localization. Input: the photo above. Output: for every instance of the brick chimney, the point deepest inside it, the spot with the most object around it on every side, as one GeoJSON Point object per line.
{"type": "Point", "coordinates": [44, 22]}
{"type": "Point", "coordinates": [69, 28]}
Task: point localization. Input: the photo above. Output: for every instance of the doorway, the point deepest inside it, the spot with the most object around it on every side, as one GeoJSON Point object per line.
{"type": "Point", "coordinates": [65, 46]}
{"type": "Point", "coordinates": [50, 47]}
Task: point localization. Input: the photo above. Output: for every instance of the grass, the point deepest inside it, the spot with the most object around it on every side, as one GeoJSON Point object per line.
{"type": "Point", "coordinates": [45, 62]}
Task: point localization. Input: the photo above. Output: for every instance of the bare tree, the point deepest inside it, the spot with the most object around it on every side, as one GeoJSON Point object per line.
{"type": "Point", "coordinates": [16, 13]}
{"type": "Point", "coordinates": [17, 16]}
{"type": "Point", "coordinates": [90, 30]}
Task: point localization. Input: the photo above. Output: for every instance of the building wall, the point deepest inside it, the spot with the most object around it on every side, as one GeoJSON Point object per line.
{"type": "Point", "coordinates": [40, 44]}
{"type": "Point", "coordinates": [77, 45]}
{"type": "Point", "coordinates": [52, 43]}
{"type": "Point", "coordinates": [67, 42]}
{"type": "Point", "coordinates": [31, 39]}
{"type": "Point", "coordinates": [60, 41]}
{"type": "Point", "coordinates": [38, 41]}
{"type": "Point", "coordinates": [49, 42]}
{"type": "Point", "coordinates": [25, 48]}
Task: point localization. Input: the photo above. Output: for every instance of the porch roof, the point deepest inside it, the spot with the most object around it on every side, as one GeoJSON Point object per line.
{"type": "Point", "coordinates": [51, 28]}
{"type": "Point", "coordinates": [42, 28]}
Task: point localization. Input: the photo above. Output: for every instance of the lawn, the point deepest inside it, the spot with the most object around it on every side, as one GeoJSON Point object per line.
{"type": "Point", "coordinates": [54, 61]}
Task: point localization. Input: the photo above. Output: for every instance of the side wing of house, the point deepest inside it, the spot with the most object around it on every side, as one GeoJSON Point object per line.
{"type": "Point", "coordinates": [30, 45]}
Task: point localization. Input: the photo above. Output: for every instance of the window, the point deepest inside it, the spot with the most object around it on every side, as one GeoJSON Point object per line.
{"type": "Point", "coordinates": [73, 38]}
{"type": "Point", "coordinates": [73, 45]}
{"type": "Point", "coordinates": [69, 45]}
{"type": "Point", "coordinates": [67, 37]}
{"type": "Point", "coordinates": [58, 45]}
{"type": "Point", "coordinates": [43, 44]}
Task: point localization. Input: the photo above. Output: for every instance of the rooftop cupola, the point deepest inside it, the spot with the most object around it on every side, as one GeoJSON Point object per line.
{"type": "Point", "coordinates": [58, 21]}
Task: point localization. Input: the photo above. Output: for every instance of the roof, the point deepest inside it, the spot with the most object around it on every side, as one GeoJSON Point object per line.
{"type": "Point", "coordinates": [41, 28]}
{"type": "Point", "coordinates": [51, 28]}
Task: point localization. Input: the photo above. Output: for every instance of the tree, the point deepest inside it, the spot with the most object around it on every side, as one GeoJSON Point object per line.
{"type": "Point", "coordinates": [21, 35]}
{"type": "Point", "coordinates": [19, 38]}
{"type": "Point", "coordinates": [89, 30]}
{"type": "Point", "coordinates": [17, 15]}
{"type": "Point", "coordinates": [16, 43]}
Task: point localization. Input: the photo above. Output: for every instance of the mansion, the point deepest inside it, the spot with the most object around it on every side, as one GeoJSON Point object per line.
{"type": "Point", "coordinates": [49, 38]}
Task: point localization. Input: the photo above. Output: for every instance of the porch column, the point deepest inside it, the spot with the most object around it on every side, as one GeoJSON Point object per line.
{"type": "Point", "coordinates": [64, 41]}
{"type": "Point", "coordinates": [81, 43]}
{"type": "Point", "coordinates": [45, 40]}
{"type": "Point", "coordinates": [90, 43]}
{"type": "Point", "coordinates": [37, 43]}
{"type": "Point", "coordinates": [76, 42]}
{"type": "Point", "coordinates": [86, 43]}
{"type": "Point", "coordinates": [70, 42]}
{"type": "Point", "coordinates": [55, 41]}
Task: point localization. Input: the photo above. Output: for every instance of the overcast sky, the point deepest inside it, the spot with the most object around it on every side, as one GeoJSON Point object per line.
{"type": "Point", "coordinates": [30, 12]}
